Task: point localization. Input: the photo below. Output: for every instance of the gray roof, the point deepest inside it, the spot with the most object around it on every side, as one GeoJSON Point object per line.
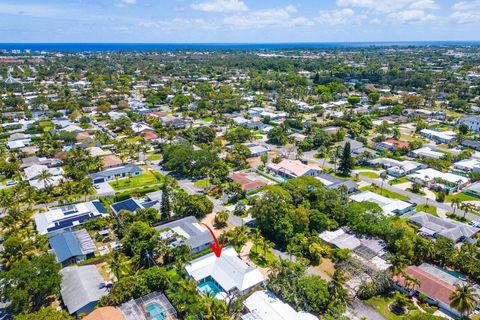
{"type": "Point", "coordinates": [443, 227]}
{"type": "Point", "coordinates": [129, 168]}
{"type": "Point", "coordinates": [189, 228]}
{"type": "Point", "coordinates": [81, 286]}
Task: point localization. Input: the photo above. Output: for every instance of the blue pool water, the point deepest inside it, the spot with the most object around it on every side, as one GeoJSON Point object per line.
{"type": "Point", "coordinates": [156, 311]}
{"type": "Point", "coordinates": [209, 286]}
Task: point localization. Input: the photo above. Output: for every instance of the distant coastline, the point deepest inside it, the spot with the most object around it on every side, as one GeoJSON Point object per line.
{"type": "Point", "coordinates": [105, 47]}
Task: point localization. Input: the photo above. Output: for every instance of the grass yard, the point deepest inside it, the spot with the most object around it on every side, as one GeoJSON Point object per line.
{"type": "Point", "coordinates": [398, 181]}
{"type": "Point", "coordinates": [154, 157]}
{"type": "Point", "coordinates": [462, 196]}
{"type": "Point", "coordinates": [202, 183]}
{"type": "Point", "coordinates": [386, 193]}
{"type": "Point", "coordinates": [428, 209]}
{"type": "Point", "coordinates": [260, 259]}
{"type": "Point", "coordinates": [369, 174]}
{"type": "Point", "coordinates": [148, 178]}
{"type": "Point", "coordinates": [207, 119]}
{"type": "Point", "coordinates": [381, 303]}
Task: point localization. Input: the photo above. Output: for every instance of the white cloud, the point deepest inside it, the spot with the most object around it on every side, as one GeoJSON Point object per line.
{"type": "Point", "coordinates": [125, 3]}
{"type": "Point", "coordinates": [177, 24]}
{"type": "Point", "coordinates": [466, 5]}
{"type": "Point", "coordinates": [339, 17]}
{"type": "Point", "coordinates": [410, 16]}
{"type": "Point", "coordinates": [29, 10]}
{"type": "Point", "coordinates": [388, 6]}
{"type": "Point", "coordinates": [424, 5]}
{"type": "Point", "coordinates": [220, 6]}
{"type": "Point", "coordinates": [266, 18]}
{"type": "Point", "coordinates": [463, 17]}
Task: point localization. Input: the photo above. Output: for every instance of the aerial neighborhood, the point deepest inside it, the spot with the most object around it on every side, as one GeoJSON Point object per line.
{"type": "Point", "coordinates": [339, 184]}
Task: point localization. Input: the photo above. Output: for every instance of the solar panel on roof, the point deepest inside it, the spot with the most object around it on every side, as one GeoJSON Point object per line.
{"type": "Point", "coordinates": [128, 204]}
{"type": "Point", "coordinates": [98, 205]}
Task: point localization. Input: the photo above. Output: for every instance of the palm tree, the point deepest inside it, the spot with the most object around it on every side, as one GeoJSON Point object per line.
{"type": "Point", "coordinates": [398, 263]}
{"type": "Point", "coordinates": [464, 299]}
{"type": "Point", "coordinates": [456, 202]}
{"type": "Point", "coordinates": [466, 207]}
{"type": "Point", "coordinates": [266, 246]}
{"type": "Point", "coordinates": [257, 238]}
{"type": "Point", "coordinates": [45, 177]}
{"type": "Point", "coordinates": [221, 218]}
{"type": "Point", "coordinates": [117, 262]}
{"type": "Point", "coordinates": [383, 175]}
{"type": "Point", "coordinates": [335, 287]}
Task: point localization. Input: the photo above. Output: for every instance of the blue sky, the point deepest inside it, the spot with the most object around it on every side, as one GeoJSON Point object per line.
{"type": "Point", "coordinates": [238, 20]}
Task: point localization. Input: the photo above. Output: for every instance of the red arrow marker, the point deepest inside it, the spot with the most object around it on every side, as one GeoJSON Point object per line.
{"type": "Point", "coordinates": [216, 247]}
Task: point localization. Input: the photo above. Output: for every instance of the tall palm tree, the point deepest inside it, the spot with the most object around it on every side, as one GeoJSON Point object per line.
{"type": "Point", "coordinates": [398, 263]}
{"type": "Point", "coordinates": [383, 176]}
{"type": "Point", "coordinates": [266, 246]}
{"type": "Point", "coordinates": [456, 202]}
{"type": "Point", "coordinates": [257, 239]}
{"type": "Point", "coordinates": [118, 263]}
{"type": "Point", "coordinates": [45, 177]}
{"type": "Point", "coordinates": [464, 299]}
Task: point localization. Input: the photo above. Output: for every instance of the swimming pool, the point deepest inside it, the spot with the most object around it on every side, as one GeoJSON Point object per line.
{"type": "Point", "coordinates": [210, 287]}
{"type": "Point", "coordinates": [156, 311]}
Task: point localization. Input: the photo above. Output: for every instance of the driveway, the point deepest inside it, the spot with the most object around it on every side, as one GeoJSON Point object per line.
{"type": "Point", "coordinates": [104, 189]}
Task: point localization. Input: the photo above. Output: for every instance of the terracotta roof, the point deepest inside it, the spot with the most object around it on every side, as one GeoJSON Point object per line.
{"type": "Point", "coordinates": [399, 144]}
{"type": "Point", "coordinates": [149, 135]}
{"type": "Point", "coordinates": [105, 313]}
{"type": "Point", "coordinates": [83, 136]}
{"type": "Point", "coordinates": [111, 161]}
{"type": "Point", "coordinates": [245, 181]}
{"type": "Point", "coordinates": [430, 285]}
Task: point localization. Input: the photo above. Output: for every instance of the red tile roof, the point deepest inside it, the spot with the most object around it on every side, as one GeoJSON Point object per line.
{"type": "Point", "coordinates": [433, 287]}
{"type": "Point", "coordinates": [245, 181]}
{"type": "Point", "coordinates": [399, 144]}
{"type": "Point", "coordinates": [149, 135]}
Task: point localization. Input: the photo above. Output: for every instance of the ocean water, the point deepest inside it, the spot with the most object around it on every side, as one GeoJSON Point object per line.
{"type": "Point", "coordinates": [104, 47]}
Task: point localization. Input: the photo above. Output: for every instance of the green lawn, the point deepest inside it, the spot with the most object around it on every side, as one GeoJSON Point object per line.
{"type": "Point", "coordinates": [386, 193]}
{"type": "Point", "coordinates": [462, 196]}
{"type": "Point", "coordinates": [428, 209]}
{"type": "Point", "coordinates": [381, 303]}
{"type": "Point", "coordinates": [202, 183]}
{"type": "Point", "coordinates": [207, 119]}
{"type": "Point", "coordinates": [369, 174]}
{"type": "Point", "coordinates": [260, 259]}
{"type": "Point", "coordinates": [154, 157]}
{"type": "Point", "coordinates": [398, 181]}
{"type": "Point", "coordinates": [147, 179]}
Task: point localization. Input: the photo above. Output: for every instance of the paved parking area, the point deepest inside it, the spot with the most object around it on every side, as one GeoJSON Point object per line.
{"type": "Point", "coordinates": [104, 189]}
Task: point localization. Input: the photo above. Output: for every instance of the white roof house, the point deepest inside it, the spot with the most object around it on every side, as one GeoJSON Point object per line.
{"type": "Point", "coordinates": [32, 173]}
{"type": "Point", "coordinates": [429, 175]}
{"type": "Point", "coordinates": [467, 165]}
{"type": "Point", "coordinates": [67, 217]}
{"type": "Point", "coordinates": [229, 271]}
{"type": "Point", "coordinates": [264, 305]}
{"type": "Point", "coordinates": [440, 136]}
{"type": "Point", "coordinates": [389, 206]}
{"type": "Point", "coordinates": [293, 168]}
{"type": "Point", "coordinates": [426, 152]}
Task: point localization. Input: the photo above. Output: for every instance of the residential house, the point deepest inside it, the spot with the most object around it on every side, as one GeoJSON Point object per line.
{"type": "Point", "coordinates": [431, 177]}
{"type": "Point", "coordinates": [129, 170]}
{"type": "Point", "coordinates": [67, 217]}
{"type": "Point", "coordinates": [105, 313]}
{"type": "Point", "coordinates": [72, 246]}
{"type": "Point", "coordinates": [33, 176]}
{"type": "Point", "coordinates": [111, 161]}
{"type": "Point", "coordinates": [153, 306]}
{"type": "Point", "coordinates": [293, 169]}
{"type": "Point", "coordinates": [256, 150]}
{"type": "Point", "coordinates": [264, 305]}
{"type": "Point", "coordinates": [427, 152]}
{"type": "Point", "coordinates": [473, 190]}
{"type": "Point", "coordinates": [439, 136]}
{"type": "Point", "coordinates": [227, 273]}
{"type": "Point", "coordinates": [434, 227]}
{"type": "Point", "coordinates": [133, 205]}
{"type": "Point", "coordinates": [330, 182]}
{"type": "Point", "coordinates": [370, 250]}
{"type": "Point", "coordinates": [81, 289]}
{"type": "Point", "coordinates": [430, 284]}
{"type": "Point", "coordinates": [248, 181]}
{"type": "Point", "coordinates": [473, 122]}
{"type": "Point", "coordinates": [391, 145]}
{"type": "Point", "coordinates": [467, 165]}
{"type": "Point", "coordinates": [389, 206]}
{"type": "Point", "coordinates": [185, 231]}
